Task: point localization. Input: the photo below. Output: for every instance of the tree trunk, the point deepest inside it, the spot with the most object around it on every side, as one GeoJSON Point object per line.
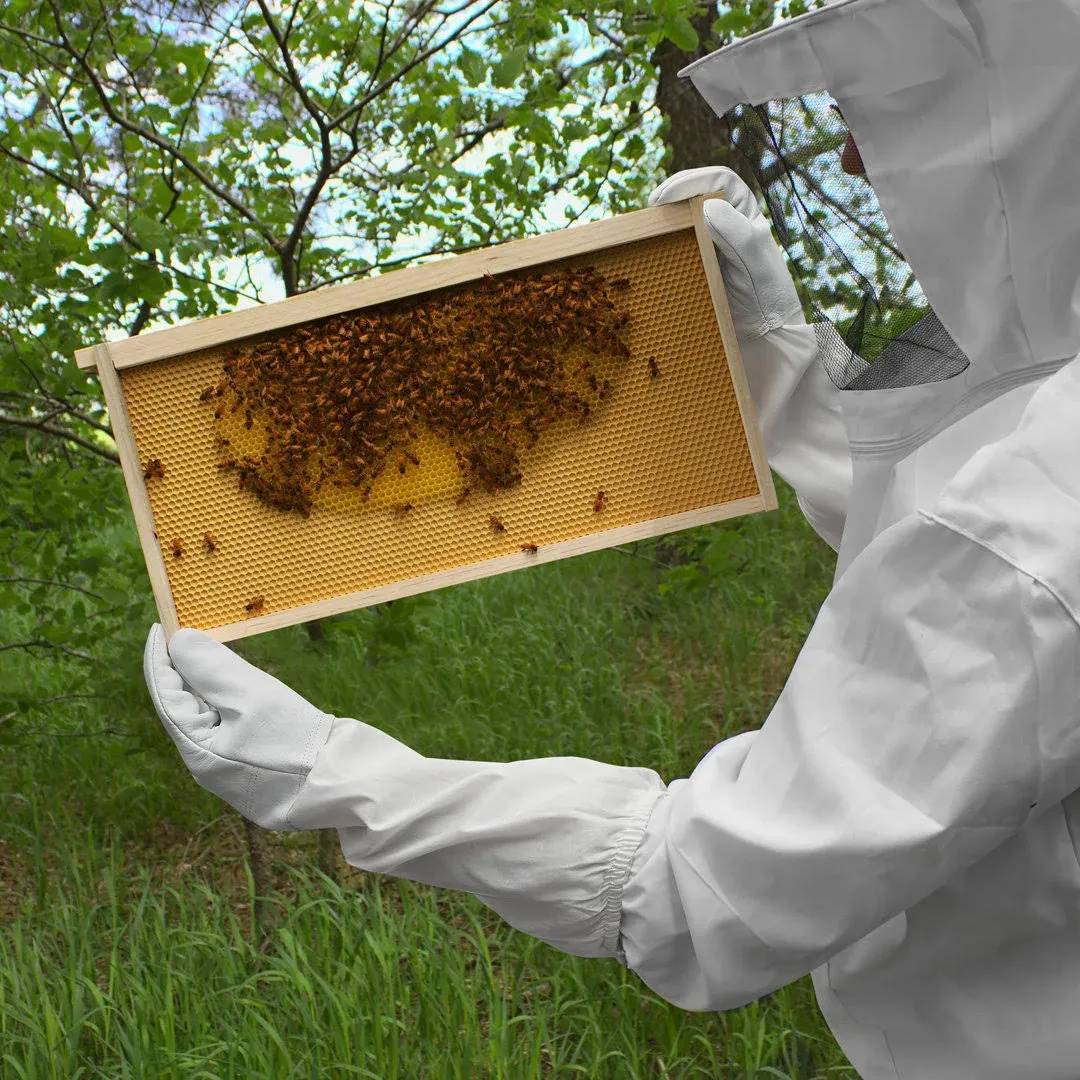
{"type": "Point", "coordinates": [328, 853]}
{"type": "Point", "coordinates": [696, 135]}
{"type": "Point", "coordinates": [259, 859]}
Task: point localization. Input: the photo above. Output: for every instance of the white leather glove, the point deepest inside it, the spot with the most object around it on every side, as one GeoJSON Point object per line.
{"type": "Point", "coordinates": [546, 843]}
{"type": "Point", "coordinates": [797, 405]}
{"type": "Point", "coordinates": [245, 736]}
{"type": "Point", "coordinates": [760, 291]}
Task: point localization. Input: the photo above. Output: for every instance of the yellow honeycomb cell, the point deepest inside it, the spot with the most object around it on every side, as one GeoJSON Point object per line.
{"type": "Point", "coordinates": [657, 447]}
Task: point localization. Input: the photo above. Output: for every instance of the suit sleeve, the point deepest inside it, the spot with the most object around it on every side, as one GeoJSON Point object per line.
{"type": "Point", "coordinates": [802, 426]}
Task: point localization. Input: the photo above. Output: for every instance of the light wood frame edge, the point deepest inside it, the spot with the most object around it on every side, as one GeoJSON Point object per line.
{"type": "Point", "coordinates": [690, 214]}
{"type": "Point", "coordinates": [715, 280]}
{"type": "Point", "coordinates": [124, 437]}
{"type": "Point", "coordinates": [580, 545]}
{"type": "Point", "coordinates": [500, 258]}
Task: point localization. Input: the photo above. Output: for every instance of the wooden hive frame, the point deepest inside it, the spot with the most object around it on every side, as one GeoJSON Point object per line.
{"type": "Point", "coordinates": [113, 359]}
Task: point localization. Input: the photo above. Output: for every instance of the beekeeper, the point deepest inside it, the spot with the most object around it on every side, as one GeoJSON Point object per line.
{"type": "Point", "coordinates": [903, 823]}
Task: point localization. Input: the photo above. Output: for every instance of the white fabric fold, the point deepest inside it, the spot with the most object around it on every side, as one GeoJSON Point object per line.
{"type": "Point", "coordinates": [929, 716]}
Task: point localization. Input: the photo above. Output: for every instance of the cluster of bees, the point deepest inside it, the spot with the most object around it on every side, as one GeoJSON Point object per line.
{"type": "Point", "coordinates": [486, 367]}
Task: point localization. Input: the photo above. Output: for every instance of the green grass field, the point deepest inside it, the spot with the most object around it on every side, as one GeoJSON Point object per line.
{"type": "Point", "coordinates": [125, 940]}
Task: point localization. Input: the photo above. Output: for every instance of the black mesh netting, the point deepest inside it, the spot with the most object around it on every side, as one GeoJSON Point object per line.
{"type": "Point", "coordinates": [873, 323]}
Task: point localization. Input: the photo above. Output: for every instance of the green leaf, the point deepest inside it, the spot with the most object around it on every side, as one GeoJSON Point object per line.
{"type": "Point", "coordinates": [681, 33]}
{"type": "Point", "coordinates": [151, 233]}
{"type": "Point", "coordinates": [150, 283]}
{"type": "Point", "coordinates": [113, 596]}
{"type": "Point", "coordinates": [473, 66]}
{"type": "Point", "coordinates": [635, 148]}
{"type": "Point", "coordinates": [507, 70]}
{"type": "Point", "coordinates": [57, 631]}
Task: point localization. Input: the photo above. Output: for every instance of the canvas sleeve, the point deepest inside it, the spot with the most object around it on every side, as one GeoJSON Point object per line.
{"type": "Point", "coordinates": [798, 410]}
{"type": "Point", "coordinates": [546, 843]}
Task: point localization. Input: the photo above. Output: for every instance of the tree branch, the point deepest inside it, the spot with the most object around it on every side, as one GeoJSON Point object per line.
{"type": "Point", "coordinates": [151, 136]}
{"type": "Point", "coordinates": [315, 111]}
{"type": "Point", "coordinates": [843, 212]}
{"type": "Point", "coordinates": [47, 581]}
{"type": "Point", "coordinates": [387, 83]}
{"type": "Point", "coordinates": [39, 425]}
{"type": "Point", "coordinates": [42, 643]}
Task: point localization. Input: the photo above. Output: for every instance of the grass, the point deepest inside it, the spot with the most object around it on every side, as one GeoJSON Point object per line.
{"type": "Point", "coordinates": [125, 941]}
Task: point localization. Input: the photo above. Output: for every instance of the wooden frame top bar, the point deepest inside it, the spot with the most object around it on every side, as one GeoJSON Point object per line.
{"type": "Point", "coordinates": [441, 273]}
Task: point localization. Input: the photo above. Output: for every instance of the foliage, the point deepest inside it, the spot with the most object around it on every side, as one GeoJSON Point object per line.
{"type": "Point", "coordinates": [161, 163]}
{"type": "Point", "coordinates": [388, 983]}
{"type": "Point", "coordinates": [884, 326]}
{"type": "Point", "coordinates": [72, 578]}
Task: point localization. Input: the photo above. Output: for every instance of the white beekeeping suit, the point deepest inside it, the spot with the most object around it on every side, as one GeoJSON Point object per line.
{"type": "Point", "coordinates": [902, 824]}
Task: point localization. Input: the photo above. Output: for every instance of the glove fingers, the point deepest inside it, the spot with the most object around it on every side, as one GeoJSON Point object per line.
{"type": "Point", "coordinates": [689, 182]}
{"type": "Point", "coordinates": [187, 718]}
{"type": "Point", "coordinates": [226, 681]}
{"type": "Point", "coordinates": [730, 230]}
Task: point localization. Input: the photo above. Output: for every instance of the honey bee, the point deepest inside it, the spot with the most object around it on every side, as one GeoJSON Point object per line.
{"type": "Point", "coordinates": [154, 470]}
{"type": "Point", "coordinates": [654, 370]}
{"type": "Point", "coordinates": [207, 394]}
{"type": "Point", "coordinates": [599, 502]}
{"type": "Point", "coordinates": [401, 509]}
{"type": "Point", "coordinates": [496, 525]}
{"type": "Point", "coordinates": [177, 547]}
{"type": "Point", "coordinates": [255, 605]}
{"type": "Point", "coordinates": [209, 543]}
{"type": "Point", "coordinates": [622, 284]}
{"type": "Point", "coordinates": [532, 549]}
{"type": "Point", "coordinates": [401, 462]}
{"type": "Point", "coordinates": [463, 496]}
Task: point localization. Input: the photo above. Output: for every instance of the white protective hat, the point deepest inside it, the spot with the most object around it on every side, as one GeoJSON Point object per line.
{"type": "Point", "coordinates": [967, 117]}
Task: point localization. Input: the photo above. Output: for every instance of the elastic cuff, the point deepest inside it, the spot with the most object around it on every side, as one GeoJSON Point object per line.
{"type": "Point", "coordinates": [617, 874]}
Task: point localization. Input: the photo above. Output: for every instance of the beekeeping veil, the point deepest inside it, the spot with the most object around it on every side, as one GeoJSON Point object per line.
{"type": "Point", "coordinates": [967, 117]}
{"type": "Point", "coordinates": [954, 279]}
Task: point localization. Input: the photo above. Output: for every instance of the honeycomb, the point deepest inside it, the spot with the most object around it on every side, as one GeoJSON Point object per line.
{"type": "Point", "coordinates": [658, 447]}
